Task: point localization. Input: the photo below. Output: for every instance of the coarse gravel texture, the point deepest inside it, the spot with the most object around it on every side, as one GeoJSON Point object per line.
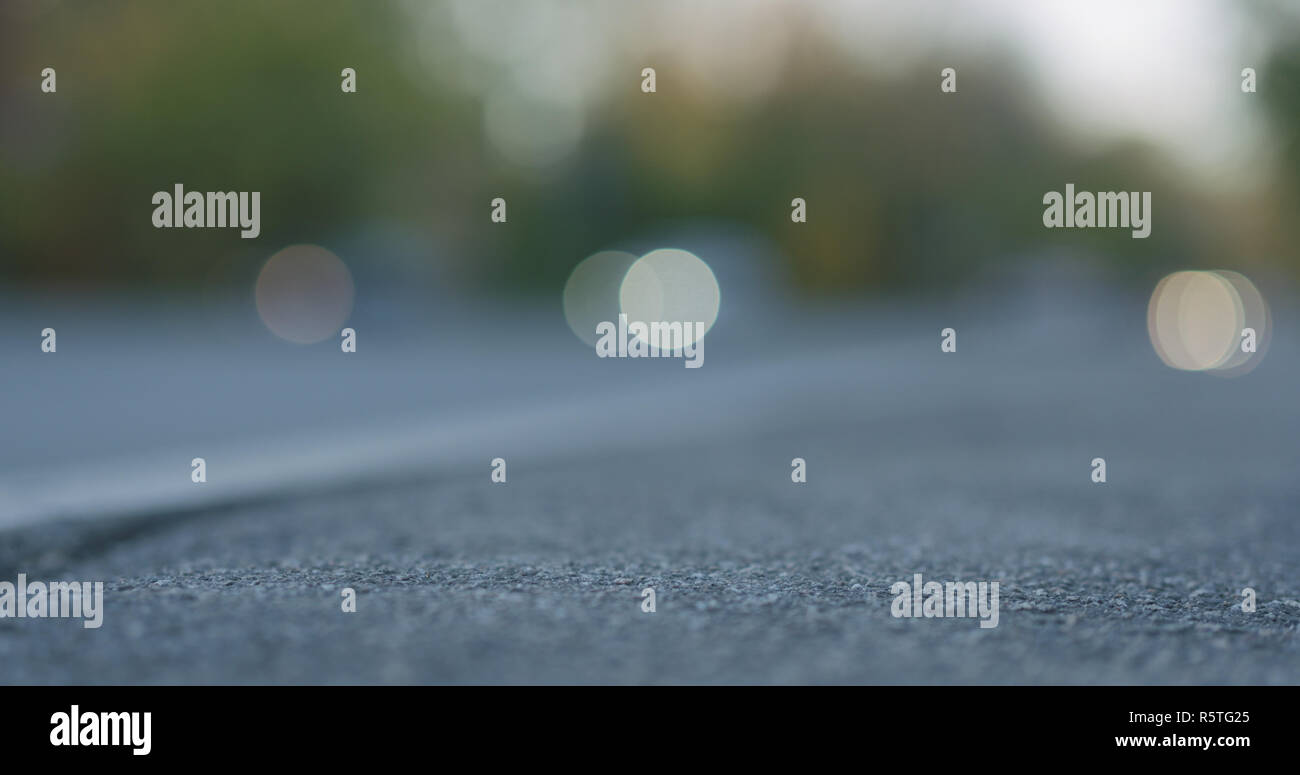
{"type": "Point", "coordinates": [757, 580]}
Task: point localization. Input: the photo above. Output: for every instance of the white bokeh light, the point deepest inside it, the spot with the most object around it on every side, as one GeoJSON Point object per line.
{"type": "Point", "coordinates": [670, 285]}
{"type": "Point", "coordinates": [1196, 321]}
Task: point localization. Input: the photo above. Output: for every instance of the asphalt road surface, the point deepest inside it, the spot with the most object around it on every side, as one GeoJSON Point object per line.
{"type": "Point", "coordinates": [969, 466]}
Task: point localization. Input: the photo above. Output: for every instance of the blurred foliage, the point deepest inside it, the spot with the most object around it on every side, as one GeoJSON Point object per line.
{"type": "Point", "coordinates": [905, 186]}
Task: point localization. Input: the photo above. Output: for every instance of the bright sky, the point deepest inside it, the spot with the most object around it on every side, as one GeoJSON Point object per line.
{"type": "Point", "coordinates": [1165, 70]}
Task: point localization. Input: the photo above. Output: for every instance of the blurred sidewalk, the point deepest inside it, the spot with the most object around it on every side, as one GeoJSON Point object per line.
{"type": "Point", "coordinates": [108, 425]}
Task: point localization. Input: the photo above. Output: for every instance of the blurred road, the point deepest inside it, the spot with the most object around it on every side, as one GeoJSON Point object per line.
{"type": "Point", "coordinates": [627, 474]}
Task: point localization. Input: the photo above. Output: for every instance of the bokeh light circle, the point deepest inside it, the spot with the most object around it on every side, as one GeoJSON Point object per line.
{"type": "Point", "coordinates": [304, 294]}
{"type": "Point", "coordinates": [1255, 315]}
{"type": "Point", "coordinates": [591, 294]}
{"type": "Point", "coordinates": [671, 285]}
{"type": "Point", "coordinates": [1196, 319]}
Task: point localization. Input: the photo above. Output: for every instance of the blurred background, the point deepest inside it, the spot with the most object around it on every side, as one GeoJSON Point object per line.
{"type": "Point", "coordinates": [376, 205]}
{"type": "Point", "coordinates": [924, 211]}
{"type": "Point", "coordinates": [758, 102]}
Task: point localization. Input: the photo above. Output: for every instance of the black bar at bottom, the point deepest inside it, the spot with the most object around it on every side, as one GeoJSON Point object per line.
{"type": "Point", "coordinates": [1044, 726]}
